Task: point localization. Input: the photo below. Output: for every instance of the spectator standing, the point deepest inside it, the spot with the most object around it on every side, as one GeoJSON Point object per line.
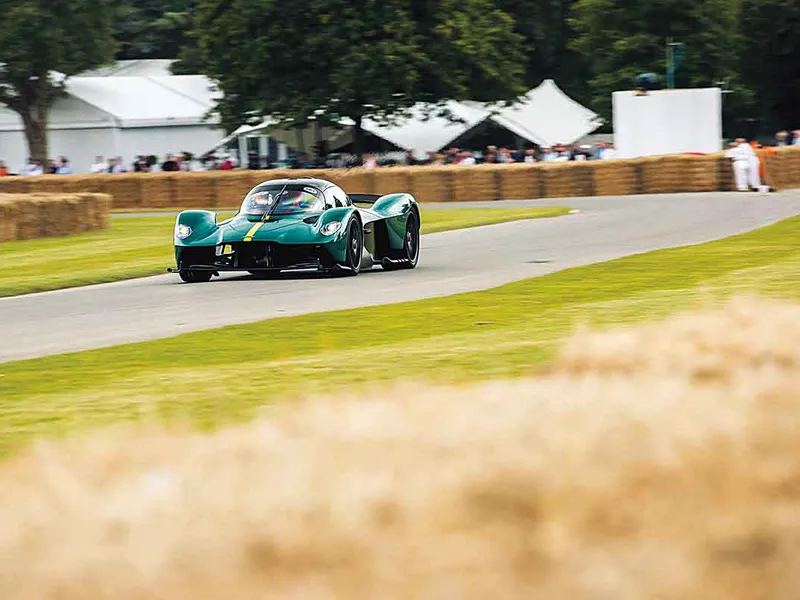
{"type": "Point", "coordinates": [547, 154]}
{"type": "Point", "coordinates": [170, 165]}
{"type": "Point", "coordinates": [796, 137]}
{"type": "Point", "coordinates": [781, 139]}
{"type": "Point", "coordinates": [530, 156]}
{"type": "Point", "coordinates": [32, 168]}
{"type": "Point", "coordinates": [141, 166]}
{"type": "Point", "coordinates": [63, 167]}
{"type": "Point", "coordinates": [117, 166]}
{"type": "Point", "coordinates": [226, 164]}
{"type": "Point", "coordinates": [740, 164]}
{"type": "Point", "coordinates": [3, 169]}
{"type": "Point", "coordinates": [467, 159]}
{"type": "Point", "coordinates": [99, 165]}
{"type": "Point", "coordinates": [609, 152]}
{"type": "Point", "coordinates": [409, 159]}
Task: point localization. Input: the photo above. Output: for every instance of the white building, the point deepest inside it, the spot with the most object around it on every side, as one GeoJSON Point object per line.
{"type": "Point", "coordinates": [134, 108]}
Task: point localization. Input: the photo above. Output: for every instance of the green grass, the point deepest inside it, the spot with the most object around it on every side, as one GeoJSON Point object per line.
{"type": "Point", "coordinates": [141, 246]}
{"type": "Point", "coordinates": [225, 374]}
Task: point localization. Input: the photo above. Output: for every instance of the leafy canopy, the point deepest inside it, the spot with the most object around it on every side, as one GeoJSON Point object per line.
{"type": "Point", "coordinates": [37, 38]}
{"type": "Point", "coordinates": [621, 39]}
{"type": "Point", "coordinates": [375, 58]}
{"type": "Point", "coordinates": [771, 57]}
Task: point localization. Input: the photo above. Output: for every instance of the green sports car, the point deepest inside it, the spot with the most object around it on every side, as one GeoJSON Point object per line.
{"type": "Point", "coordinates": [304, 223]}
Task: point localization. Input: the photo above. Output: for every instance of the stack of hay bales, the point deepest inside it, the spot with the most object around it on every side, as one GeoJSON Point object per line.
{"type": "Point", "coordinates": [519, 182]}
{"type": "Point", "coordinates": [29, 216]}
{"type": "Point", "coordinates": [659, 174]}
{"type": "Point", "coordinates": [352, 181]}
{"type": "Point", "coordinates": [124, 188]}
{"type": "Point", "coordinates": [480, 183]}
{"type": "Point", "coordinates": [196, 190]}
{"type": "Point", "coordinates": [232, 187]}
{"type": "Point", "coordinates": [616, 177]}
{"type": "Point", "coordinates": [783, 168]}
{"type": "Point", "coordinates": [433, 183]}
{"type": "Point", "coordinates": [568, 179]}
{"type": "Point", "coordinates": [390, 180]}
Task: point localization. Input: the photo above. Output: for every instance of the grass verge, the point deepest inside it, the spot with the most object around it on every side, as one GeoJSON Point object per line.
{"type": "Point", "coordinates": [217, 376]}
{"type": "Point", "coordinates": [141, 246]}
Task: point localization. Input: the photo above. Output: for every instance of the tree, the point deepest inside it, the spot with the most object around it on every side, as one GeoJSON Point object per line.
{"type": "Point", "coordinates": [622, 38]}
{"type": "Point", "coordinates": [547, 32]}
{"type": "Point", "coordinates": [39, 48]}
{"type": "Point", "coordinates": [326, 60]}
{"type": "Point", "coordinates": [152, 28]}
{"type": "Point", "coordinates": [770, 58]}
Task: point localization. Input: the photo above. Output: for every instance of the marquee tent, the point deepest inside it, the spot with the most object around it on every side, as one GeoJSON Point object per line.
{"type": "Point", "coordinates": [544, 116]}
{"type": "Point", "coordinates": [120, 116]}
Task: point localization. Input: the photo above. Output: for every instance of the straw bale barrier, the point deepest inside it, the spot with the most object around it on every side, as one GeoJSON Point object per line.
{"type": "Point", "coordinates": [225, 189]}
{"type": "Point", "coordinates": [28, 216]}
{"type": "Point", "coordinates": [520, 182]}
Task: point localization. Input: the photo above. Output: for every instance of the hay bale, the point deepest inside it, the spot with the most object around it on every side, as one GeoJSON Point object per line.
{"type": "Point", "coordinates": [9, 213]}
{"type": "Point", "coordinates": [354, 181]}
{"type": "Point", "coordinates": [195, 190]}
{"type": "Point", "coordinates": [232, 187]}
{"type": "Point", "coordinates": [569, 179]}
{"type": "Point", "coordinates": [16, 185]}
{"type": "Point", "coordinates": [617, 177]}
{"type": "Point", "coordinates": [124, 188]}
{"type": "Point", "coordinates": [477, 183]}
{"type": "Point", "coordinates": [157, 190]}
{"type": "Point", "coordinates": [662, 174]}
{"type": "Point", "coordinates": [390, 180]}
{"type": "Point", "coordinates": [519, 181]}
{"type": "Point", "coordinates": [433, 183]}
{"type": "Point", "coordinates": [29, 216]}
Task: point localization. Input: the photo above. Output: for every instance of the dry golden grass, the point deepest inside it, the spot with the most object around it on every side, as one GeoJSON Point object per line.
{"type": "Point", "coordinates": [660, 462]}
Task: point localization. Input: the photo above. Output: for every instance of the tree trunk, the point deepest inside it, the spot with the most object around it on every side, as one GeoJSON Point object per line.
{"type": "Point", "coordinates": [35, 121]}
{"type": "Point", "coordinates": [358, 139]}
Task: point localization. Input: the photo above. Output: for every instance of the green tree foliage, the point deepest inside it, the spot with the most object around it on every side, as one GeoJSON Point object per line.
{"type": "Point", "coordinates": [152, 28]}
{"type": "Point", "coordinates": [547, 31]}
{"type": "Point", "coordinates": [41, 44]}
{"type": "Point", "coordinates": [622, 38]}
{"type": "Point", "coordinates": [770, 59]}
{"type": "Point", "coordinates": [327, 59]}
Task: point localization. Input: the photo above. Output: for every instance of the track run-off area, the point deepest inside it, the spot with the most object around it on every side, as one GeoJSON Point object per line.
{"type": "Point", "coordinates": [451, 262]}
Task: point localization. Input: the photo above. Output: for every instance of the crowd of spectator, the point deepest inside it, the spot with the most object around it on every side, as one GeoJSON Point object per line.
{"type": "Point", "coordinates": [141, 164]}
{"type": "Point", "coordinates": [601, 150]}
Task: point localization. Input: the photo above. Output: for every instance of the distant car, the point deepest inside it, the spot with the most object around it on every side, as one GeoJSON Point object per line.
{"type": "Point", "coordinates": [303, 223]}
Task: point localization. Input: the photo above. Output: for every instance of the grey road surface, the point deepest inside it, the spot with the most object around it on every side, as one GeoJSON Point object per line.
{"type": "Point", "coordinates": [451, 262]}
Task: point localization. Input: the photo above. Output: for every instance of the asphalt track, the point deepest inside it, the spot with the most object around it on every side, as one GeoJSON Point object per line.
{"type": "Point", "coordinates": [451, 262]}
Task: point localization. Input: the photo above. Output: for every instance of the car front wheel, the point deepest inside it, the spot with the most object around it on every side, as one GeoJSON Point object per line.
{"type": "Point", "coordinates": [195, 276]}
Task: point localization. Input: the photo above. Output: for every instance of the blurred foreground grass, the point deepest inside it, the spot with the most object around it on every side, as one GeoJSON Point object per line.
{"type": "Point", "coordinates": [221, 375]}
{"type": "Point", "coordinates": [141, 246]}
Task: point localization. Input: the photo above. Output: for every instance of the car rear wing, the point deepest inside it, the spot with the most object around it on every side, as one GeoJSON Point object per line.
{"type": "Point", "coordinates": [364, 198]}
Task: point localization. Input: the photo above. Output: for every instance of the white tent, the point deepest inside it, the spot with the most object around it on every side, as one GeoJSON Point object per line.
{"type": "Point", "coordinates": [547, 116]}
{"type": "Point", "coordinates": [120, 116]}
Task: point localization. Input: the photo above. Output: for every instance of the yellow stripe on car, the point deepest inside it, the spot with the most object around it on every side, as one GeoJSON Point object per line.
{"type": "Point", "coordinates": [249, 235]}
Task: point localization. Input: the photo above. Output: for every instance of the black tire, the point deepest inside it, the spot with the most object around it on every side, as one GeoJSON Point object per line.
{"type": "Point", "coordinates": [194, 276]}
{"type": "Point", "coordinates": [355, 248]}
{"type": "Point", "coordinates": [410, 252]}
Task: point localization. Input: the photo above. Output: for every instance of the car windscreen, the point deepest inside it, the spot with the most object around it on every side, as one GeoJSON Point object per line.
{"type": "Point", "coordinates": [283, 200]}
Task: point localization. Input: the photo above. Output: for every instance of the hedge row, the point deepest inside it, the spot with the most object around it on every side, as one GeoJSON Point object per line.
{"type": "Point", "coordinates": [663, 174]}
{"type": "Point", "coordinates": [27, 216]}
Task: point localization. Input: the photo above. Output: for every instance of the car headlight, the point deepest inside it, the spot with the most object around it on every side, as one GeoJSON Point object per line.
{"type": "Point", "coordinates": [331, 228]}
{"type": "Point", "coordinates": [182, 231]}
